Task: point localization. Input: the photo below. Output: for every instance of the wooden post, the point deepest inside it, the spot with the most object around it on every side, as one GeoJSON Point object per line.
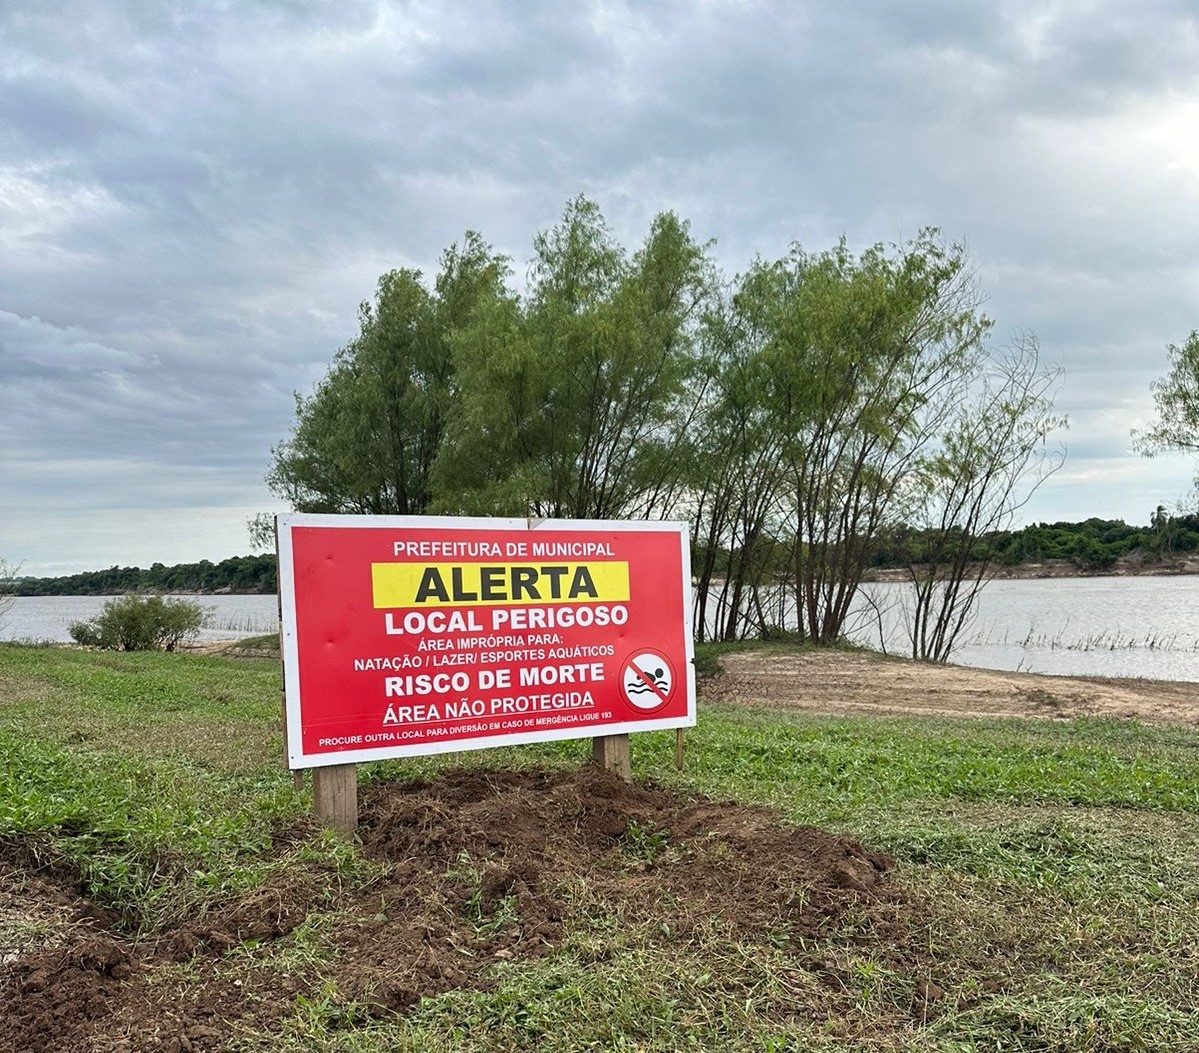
{"type": "Point", "coordinates": [611, 752]}
{"type": "Point", "coordinates": [678, 749]}
{"type": "Point", "coordinates": [335, 797]}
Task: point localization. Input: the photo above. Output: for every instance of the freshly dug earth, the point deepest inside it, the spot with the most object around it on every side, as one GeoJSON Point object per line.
{"type": "Point", "coordinates": [848, 683]}
{"type": "Point", "coordinates": [474, 868]}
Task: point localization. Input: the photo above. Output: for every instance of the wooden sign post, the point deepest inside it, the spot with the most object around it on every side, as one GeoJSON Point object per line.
{"type": "Point", "coordinates": [335, 797]}
{"type": "Point", "coordinates": [611, 752]}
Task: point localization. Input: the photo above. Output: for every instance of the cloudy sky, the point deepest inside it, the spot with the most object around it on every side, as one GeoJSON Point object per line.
{"type": "Point", "coordinates": [194, 197]}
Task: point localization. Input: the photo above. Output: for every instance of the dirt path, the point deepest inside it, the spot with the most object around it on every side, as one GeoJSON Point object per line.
{"type": "Point", "coordinates": [846, 684]}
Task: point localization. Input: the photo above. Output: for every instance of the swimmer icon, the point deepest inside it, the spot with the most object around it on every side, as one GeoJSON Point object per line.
{"type": "Point", "coordinates": [647, 680]}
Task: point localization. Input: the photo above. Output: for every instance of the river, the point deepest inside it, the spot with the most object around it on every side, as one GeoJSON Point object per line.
{"type": "Point", "coordinates": [1114, 626]}
{"type": "Point", "coordinates": [46, 618]}
{"type": "Point", "coordinates": [1117, 626]}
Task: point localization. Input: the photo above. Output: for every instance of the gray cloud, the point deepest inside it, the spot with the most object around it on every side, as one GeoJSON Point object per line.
{"type": "Point", "coordinates": [194, 198]}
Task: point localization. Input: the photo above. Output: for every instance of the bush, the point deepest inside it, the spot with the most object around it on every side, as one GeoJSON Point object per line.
{"type": "Point", "coordinates": [140, 623]}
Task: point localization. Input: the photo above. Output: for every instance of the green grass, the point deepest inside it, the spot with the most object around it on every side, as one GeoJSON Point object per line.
{"type": "Point", "coordinates": [251, 644]}
{"type": "Point", "coordinates": [1047, 886]}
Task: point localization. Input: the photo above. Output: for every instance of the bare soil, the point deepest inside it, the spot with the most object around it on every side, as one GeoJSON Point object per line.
{"type": "Point", "coordinates": [475, 868]}
{"type": "Point", "coordinates": [844, 683]}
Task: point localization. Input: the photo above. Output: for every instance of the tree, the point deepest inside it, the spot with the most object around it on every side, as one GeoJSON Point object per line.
{"type": "Point", "coordinates": [8, 575]}
{"type": "Point", "coordinates": [990, 459]}
{"type": "Point", "coordinates": [735, 500]}
{"type": "Point", "coordinates": [1176, 398]}
{"type": "Point", "coordinates": [261, 528]}
{"type": "Point", "coordinates": [798, 417]}
{"type": "Point", "coordinates": [575, 400]}
{"type": "Point", "coordinates": [366, 440]}
{"type": "Point", "coordinates": [1164, 532]}
{"type": "Point", "coordinates": [865, 359]}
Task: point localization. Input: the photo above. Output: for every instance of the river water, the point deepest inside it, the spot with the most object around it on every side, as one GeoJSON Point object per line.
{"type": "Point", "coordinates": [1118, 626]}
{"type": "Point", "coordinates": [1114, 626]}
{"type": "Point", "coordinates": [46, 618]}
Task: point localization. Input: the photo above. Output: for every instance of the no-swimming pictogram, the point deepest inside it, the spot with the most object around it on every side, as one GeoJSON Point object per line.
{"type": "Point", "coordinates": [647, 680]}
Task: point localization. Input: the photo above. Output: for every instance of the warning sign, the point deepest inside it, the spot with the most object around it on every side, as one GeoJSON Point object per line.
{"type": "Point", "coordinates": [415, 635]}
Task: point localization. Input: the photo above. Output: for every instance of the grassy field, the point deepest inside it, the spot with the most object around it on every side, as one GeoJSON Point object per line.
{"type": "Point", "coordinates": [1045, 895]}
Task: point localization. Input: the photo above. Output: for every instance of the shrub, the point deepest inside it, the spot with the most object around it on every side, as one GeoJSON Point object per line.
{"type": "Point", "coordinates": [140, 623]}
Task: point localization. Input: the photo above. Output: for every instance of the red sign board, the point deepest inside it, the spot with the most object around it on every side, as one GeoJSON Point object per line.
{"type": "Point", "coordinates": [408, 635]}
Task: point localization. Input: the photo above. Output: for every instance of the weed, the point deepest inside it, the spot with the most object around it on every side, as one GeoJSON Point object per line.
{"type": "Point", "coordinates": [643, 844]}
{"type": "Point", "coordinates": [488, 913]}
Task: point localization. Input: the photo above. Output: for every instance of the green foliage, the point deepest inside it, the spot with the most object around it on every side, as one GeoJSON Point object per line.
{"type": "Point", "coordinates": [153, 779]}
{"type": "Point", "coordinates": [140, 623]}
{"type": "Point", "coordinates": [642, 843]}
{"type": "Point", "coordinates": [253, 644]}
{"type": "Point", "coordinates": [832, 374]}
{"type": "Point", "coordinates": [1176, 398]}
{"type": "Point", "coordinates": [573, 400]}
{"type": "Point", "coordinates": [367, 438]}
{"type": "Point", "coordinates": [112, 823]}
{"type": "Point", "coordinates": [792, 416]}
{"type": "Point", "coordinates": [1092, 545]}
{"type": "Point", "coordinates": [736, 549]}
{"type": "Point", "coordinates": [867, 358]}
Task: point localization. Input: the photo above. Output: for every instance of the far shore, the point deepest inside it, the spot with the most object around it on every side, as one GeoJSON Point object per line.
{"type": "Point", "coordinates": [1126, 567]}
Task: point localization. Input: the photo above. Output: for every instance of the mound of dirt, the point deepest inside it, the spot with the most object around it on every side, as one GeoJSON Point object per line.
{"type": "Point", "coordinates": [59, 968]}
{"type": "Point", "coordinates": [502, 861]}
{"type": "Point", "coordinates": [474, 868]}
{"type": "Point", "coordinates": [48, 995]}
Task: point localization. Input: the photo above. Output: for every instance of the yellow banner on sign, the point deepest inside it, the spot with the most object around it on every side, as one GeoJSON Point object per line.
{"type": "Point", "coordinates": [491, 584]}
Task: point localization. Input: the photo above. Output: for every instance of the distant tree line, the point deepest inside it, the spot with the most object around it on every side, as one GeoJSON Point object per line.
{"type": "Point", "coordinates": [236, 574]}
{"type": "Point", "coordinates": [1092, 545]}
